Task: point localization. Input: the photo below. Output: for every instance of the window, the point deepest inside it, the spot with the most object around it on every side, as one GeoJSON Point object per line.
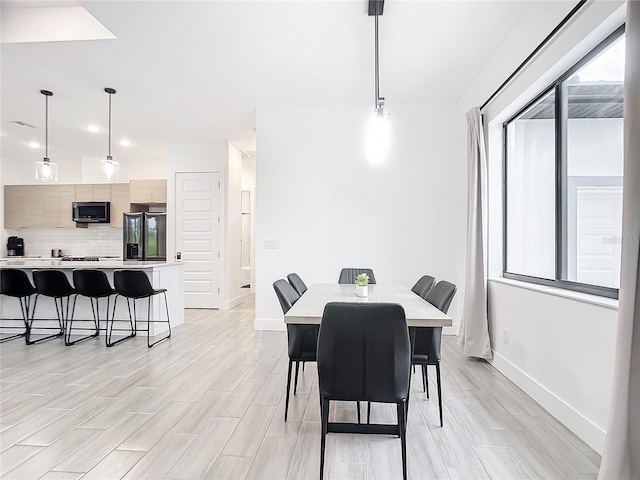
{"type": "Point", "coordinates": [563, 162]}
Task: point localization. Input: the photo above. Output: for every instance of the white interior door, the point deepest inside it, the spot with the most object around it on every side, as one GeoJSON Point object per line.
{"type": "Point", "coordinates": [198, 237]}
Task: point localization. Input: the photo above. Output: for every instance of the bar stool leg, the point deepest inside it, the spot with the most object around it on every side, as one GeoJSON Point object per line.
{"type": "Point", "coordinates": [109, 332]}
{"type": "Point", "coordinates": [24, 310]}
{"type": "Point", "coordinates": [96, 315]}
{"type": "Point", "coordinates": [166, 305]}
{"type": "Point", "coordinates": [58, 334]}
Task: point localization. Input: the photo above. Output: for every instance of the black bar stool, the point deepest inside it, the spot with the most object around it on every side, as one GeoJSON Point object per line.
{"type": "Point", "coordinates": [93, 284]}
{"type": "Point", "coordinates": [53, 284]}
{"type": "Point", "coordinates": [135, 285]}
{"type": "Point", "coordinates": [15, 283]}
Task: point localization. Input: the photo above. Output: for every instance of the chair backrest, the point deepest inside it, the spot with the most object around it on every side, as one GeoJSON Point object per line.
{"type": "Point", "coordinates": [15, 283]}
{"type": "Point", "coordinates": [348, 275]}
{"type": "Point", "coordinates": [441, 295]}
{"type": "Point", "coordinates": [364, 352]}
{"type": "Point", "coordinates": [92, 283]}
{"type": "Point", "coordinates": [132, 283]}
{"type": "Point", "coordinates": [286, 294]}
{"type": "Point", "coordinates": [423, 285]}
{"type": "Point", "coordinates": [428, 341]}
{"type": "Point", "coordinates": [297, 283]}
{"type": "Point", "coordinates": [52, 283]}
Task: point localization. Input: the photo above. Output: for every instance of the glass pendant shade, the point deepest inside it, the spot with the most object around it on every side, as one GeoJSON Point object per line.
{"type": "Point", "coordinates": [378, 137]}
{"type": "Point", "coordinates": [109, 169]}
{"type": "Point", "coordinates": [46, 171]}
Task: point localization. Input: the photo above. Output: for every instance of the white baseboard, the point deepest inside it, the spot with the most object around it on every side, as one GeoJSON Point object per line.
{"type": "Point", "coordinates": [234, 302]}
{"type": "Point", "coordinates": [269, 324]}
{"type": "Point", "coordinates": [575, 421]}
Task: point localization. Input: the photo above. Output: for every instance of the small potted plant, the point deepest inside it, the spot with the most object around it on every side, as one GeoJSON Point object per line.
{"type": "Point", "coordinates": [362, 285]}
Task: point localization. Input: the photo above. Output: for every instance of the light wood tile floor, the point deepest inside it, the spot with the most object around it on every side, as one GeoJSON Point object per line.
{"type": "Point", "coordinates": [209, 403]}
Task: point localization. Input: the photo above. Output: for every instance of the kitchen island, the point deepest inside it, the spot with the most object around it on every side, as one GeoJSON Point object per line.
{"type": "Point", "coordinates": [168, 275]}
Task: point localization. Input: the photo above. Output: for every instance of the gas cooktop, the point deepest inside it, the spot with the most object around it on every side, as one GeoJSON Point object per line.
{"type": "Point", "coordinates": [80, 259]}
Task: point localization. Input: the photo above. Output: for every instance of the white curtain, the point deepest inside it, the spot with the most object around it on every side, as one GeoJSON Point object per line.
{"type": "Point", "coordinates": [474, 328]}
{"type": "Point", "coordinates": [621, 459]}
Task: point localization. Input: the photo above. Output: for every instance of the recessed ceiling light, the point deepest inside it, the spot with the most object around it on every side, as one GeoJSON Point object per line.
{"type": "Point", "coordinates": [125, 143]}
{"type": "Point", "coordinates": [34, 144]}
{"type": "Point", "coordinates": [94, 128]}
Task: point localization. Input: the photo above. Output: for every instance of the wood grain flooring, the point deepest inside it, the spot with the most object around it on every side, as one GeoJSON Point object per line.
{"type": "Point", "coordinates": [209, 404]}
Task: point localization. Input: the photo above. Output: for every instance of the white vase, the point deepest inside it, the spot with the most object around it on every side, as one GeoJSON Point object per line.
{"type": "Point", "coordinates": [362, 291]}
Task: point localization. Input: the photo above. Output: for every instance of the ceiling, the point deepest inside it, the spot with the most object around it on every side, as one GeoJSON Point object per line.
{"type": "Point", "coordinates": [195, 71]}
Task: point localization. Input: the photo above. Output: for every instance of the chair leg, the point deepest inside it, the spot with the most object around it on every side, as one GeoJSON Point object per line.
{"type": "Point", "coordinates": [358, 408]}
{"type": "Point", "coordinates": [402, 430]}
{"type": "Point", "coordinates": [109, 331]}
{"type": "Point", "coordinates": [324, 416]}
{"type": "Point", "coordinates": [368, 412]}
{"type": "Point", "coordinates": [286, 402]}
{"type": "Point", "coordinates": [439, 391]}
{"type": "Point", "coordinates": [69, 329]}
{"type": "Point", "coordinates": [24, 309]}
{"type": "Point", "coordinates": [59, 312]}
{"type": "Point", "coordinates": [425, 380]}
{"type": "Point", "coordinates": [295, 383]}
{"type": "Point", "coordinates": [149, 345]}
{"type": "Point", "coordinates": [303, 366]}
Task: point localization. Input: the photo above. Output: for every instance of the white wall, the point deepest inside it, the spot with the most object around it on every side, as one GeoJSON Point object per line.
{"type": "Point", "coordinates": [248, 182]}
{"type": "Point", "coordinates": [328, 208]}
{"type": "Point", "coordinates": [561, 347]}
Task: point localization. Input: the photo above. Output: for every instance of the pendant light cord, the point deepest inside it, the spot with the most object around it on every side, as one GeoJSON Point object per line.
{"type": "Point", "coordinates": [377, 79]}
{"type": "Point", "coordinates": [109, 124]}
{"type": "Point", "coordinates": [46, 128]}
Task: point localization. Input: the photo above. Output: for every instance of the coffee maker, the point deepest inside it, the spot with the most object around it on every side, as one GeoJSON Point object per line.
{"type": "Point", "coordinates": [15, 247]}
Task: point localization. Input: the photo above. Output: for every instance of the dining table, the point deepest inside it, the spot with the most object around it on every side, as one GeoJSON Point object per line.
{"type": "Point", "coordinates": [309, 308]}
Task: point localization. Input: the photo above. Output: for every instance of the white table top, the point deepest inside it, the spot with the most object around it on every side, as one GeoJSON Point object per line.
{"type": "Point", "coordinates": [420, 313]}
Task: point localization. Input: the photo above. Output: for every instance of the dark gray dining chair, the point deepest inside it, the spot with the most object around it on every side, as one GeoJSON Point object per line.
{"type": "Point", "coordinates": [423, 285]}
{"type": "Point", "coordinates": [348, 275]}
{"type": "Point", "coordinates": [364, 354]}
{"type": "Point", "coordinates": [301, 339]}
{"type": "Point", "coordinates": [297, 283]}
{"type": "Point", "coordinates": [428, 340]}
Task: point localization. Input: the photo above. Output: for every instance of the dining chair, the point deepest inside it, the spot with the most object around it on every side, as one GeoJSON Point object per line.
{"type": "Point", "coordinates": [428, 340]}
{"type": "Point", "coordinates": [348, 275]}
{"type": "Point", "coordinates": [297, 283]}
{"type": "Point", "coordinates": [364, 354]}
{"type": "Point", "coordinates": [423, 285]}
{"type": "Point", "coordinates": [15, 283]}
{"type": "Point", "coordinates": [301, 339]}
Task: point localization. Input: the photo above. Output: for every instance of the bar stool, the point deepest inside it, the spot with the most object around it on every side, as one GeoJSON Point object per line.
{"type": "Point", "coordinates": [15, 283]}
{"type": "Point", "coordinates": [53, 284]}
{"type": "Point", "coordinates": [135, 285]}
{"type": "Point", "coordinates": [93, 284]}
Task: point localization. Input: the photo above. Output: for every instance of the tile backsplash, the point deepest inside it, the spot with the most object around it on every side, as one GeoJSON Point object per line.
{"type": "Point", "coordinates": [95, 241]}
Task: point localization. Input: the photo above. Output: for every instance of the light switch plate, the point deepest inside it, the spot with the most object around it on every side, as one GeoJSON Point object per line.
{"type": "Point", "coordinates": [271, 244]}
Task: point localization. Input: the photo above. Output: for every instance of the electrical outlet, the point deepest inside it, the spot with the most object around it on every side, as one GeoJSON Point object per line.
{"type": "Point", "coordinates": [505, 336]}
{"type": "Point", "coordinates": [271, 244]}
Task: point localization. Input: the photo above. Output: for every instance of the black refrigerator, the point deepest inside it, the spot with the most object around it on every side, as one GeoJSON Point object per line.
{"type": "Point", "coordinates": [144, 236]}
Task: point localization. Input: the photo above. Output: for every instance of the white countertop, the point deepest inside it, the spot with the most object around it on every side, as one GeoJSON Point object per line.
{"type": "Point", "coordinates": [101, 264]}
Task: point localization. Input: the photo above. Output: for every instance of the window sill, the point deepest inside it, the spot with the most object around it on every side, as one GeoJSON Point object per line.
{"type": "Point", "coordinates": [560, 292]}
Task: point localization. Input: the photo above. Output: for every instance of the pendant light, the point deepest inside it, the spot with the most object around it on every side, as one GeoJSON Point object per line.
{"type": "Point", "coordinates": [378, 137]}
{"type": "Point", "coordinates": [109, 168]}
{"type": "Point", "coordinates": [46, 170]}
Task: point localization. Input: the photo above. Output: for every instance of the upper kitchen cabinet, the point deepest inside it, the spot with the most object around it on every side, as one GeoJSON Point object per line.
{"type": "Point", "coordinates": [99, 192]}
{"type": "Point", "coordinates": [148, 191]}
{"type": "Point", "coordinates": [14, 197]}
{"type": "Point", "coordinates": [119, 203]}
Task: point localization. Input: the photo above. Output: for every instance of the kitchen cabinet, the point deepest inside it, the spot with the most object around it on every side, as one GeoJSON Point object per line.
{"type": "Point", "coordinates": [14, 196]}
{"type": "Point", "coordinates": [148, 191]}
{"type": "Point", "coordinates": [67, 195]}
{"type": "Point", "coordinates": [100, 192]}
{"type": "Point", "coordinates": [119, 203]}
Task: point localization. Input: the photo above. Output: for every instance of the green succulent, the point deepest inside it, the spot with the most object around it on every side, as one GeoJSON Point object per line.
{"type": "Point", "coordinates": [362, 280]}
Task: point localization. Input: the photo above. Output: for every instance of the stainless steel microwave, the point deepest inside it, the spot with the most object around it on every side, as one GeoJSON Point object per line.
{"type": "Point", "coordinates": [91, 212]}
